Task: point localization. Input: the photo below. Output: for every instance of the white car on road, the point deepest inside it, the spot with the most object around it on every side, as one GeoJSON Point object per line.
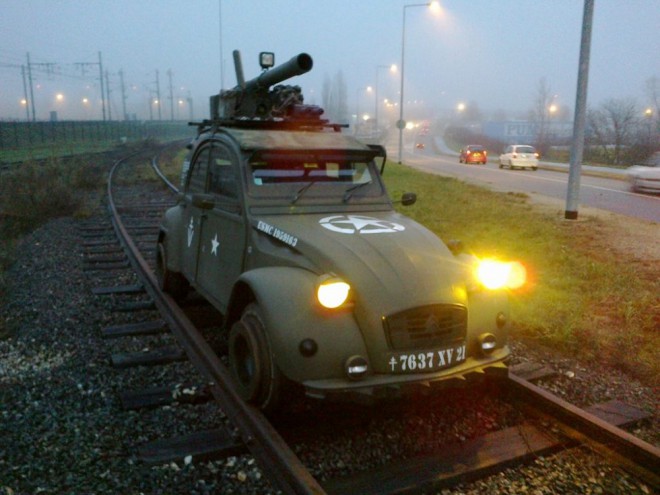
{"type": "Point", "coordinates": [646, 176]}
{"type": "Point", "coordinates": [519, 156]}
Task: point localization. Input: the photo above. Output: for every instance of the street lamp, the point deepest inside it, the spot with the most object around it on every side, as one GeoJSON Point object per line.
{"type": "Point", "coordinates": [392, 69]}
{"type": "Point", "coordinates": [401, 123]}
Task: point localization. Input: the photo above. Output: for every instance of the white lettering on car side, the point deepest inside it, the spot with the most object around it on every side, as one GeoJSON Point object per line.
{"type": "Point", "coordinates": [277, 233]}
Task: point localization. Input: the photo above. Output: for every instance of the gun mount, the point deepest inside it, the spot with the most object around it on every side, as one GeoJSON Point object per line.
{"type": "Point", "coordinates": [253, 101]}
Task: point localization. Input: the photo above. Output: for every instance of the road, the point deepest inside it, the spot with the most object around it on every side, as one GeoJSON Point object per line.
{"type": "Point", "coordinates": [598, 192]}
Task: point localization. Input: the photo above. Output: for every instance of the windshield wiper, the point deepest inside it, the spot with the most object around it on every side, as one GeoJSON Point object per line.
{"type": "Point", "coordinates": [349, 192]}
{"type": "Point", "coordinates": [301, 191]}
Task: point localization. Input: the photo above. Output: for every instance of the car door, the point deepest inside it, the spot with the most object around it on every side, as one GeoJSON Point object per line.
{"type": "Point", "coordinates": [192, 215]}
{"type": "Point", "coordinates": [222, 236]}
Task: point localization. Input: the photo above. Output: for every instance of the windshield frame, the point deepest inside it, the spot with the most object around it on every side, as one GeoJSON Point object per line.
{"type": "Point", "coordinates": [316, 176]}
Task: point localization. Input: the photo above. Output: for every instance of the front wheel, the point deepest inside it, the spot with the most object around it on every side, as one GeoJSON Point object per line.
{"type": "Point", "coordinates": [257, 378]}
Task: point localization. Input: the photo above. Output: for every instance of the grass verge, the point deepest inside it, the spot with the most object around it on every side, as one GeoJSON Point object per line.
{"type": "Point", "coordinates": [580, 298]}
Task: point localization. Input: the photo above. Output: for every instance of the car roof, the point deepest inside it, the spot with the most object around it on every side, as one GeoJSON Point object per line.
{"type": "Point", "coordinates": [251, 139]}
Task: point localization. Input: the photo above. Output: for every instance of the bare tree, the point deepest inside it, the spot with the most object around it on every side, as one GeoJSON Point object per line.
{"type": "Point", "coordinates": [335, 98]}
{"type": "Point", "coordinates": [539, 113]}
{"type": "Point", "coordinates": [614, 125]}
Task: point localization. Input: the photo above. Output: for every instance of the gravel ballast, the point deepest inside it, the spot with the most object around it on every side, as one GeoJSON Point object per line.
{"type": "Point", "coordinates": [62, 429]}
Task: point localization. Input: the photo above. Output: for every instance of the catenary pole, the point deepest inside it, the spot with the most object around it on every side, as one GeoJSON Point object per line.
{"type": "Point", "coordinates": [577, 149]}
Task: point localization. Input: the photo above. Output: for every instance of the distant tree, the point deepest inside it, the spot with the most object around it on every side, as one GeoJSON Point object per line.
{"type": "Point", "coordinates": [540, 113]}
{"type": "Point", "coordinates": [614, 126]}
{"type": "Point", "coordinates": [335, 101]}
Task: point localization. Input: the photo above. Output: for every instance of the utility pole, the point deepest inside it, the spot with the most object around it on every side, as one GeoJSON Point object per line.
{"type": "Point", "coordinates": [577, 148]}
{"type": "Point", "coordinates": [107, 89]}
{"type": "Point", "coordinates": [123, 93]}
{"type": "Point", "coordinates": [160, 117]}
{"type": "Point", "coordinates": [169, 76]}
{"type": "Point", "coordinates": [31, 87]}
{"type": "Point", "coordinates": [49, 70]}
{"type": "Point", "coordinates": [82, 66]}
{"type": "Point", "coordinates": [27, 100]}
{"type": "Point", "coordinates": [102, 90]}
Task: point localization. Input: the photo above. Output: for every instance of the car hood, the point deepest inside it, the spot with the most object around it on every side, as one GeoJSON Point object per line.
{"type": "Point", "coordinates": [388, 259]}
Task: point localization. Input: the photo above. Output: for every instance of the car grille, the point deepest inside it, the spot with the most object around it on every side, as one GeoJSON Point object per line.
{"type": "Point", "coordinates": [426, 326]}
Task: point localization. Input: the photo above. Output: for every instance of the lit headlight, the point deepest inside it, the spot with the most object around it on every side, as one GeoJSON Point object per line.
{"type": "Point", "coordinates": [499, 275]}
{"type": "Point", "coordinates": [332, 293]}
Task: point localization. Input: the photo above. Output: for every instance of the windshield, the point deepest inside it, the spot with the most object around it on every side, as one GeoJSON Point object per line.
{"type": "Point", "coordinates": [292, 174]}
{"type": "Point", "coordinates": [525, 149]}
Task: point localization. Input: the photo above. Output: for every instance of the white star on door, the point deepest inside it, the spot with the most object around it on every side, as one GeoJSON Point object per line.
{"type": "Point", "coordinates": [214, 245]}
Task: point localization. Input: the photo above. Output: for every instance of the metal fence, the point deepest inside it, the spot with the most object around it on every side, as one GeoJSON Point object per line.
{"type": "Point", "coordinates": [17, 135]}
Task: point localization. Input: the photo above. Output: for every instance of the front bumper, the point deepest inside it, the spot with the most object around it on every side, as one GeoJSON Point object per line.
{"type": "Point", "coordinates": [380, 386]}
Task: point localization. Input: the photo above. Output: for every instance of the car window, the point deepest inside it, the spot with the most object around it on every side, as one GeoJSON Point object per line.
{"type": "Point", "coordinates": [197, 177]}
{"type": "Point", "coordinates": [279, 173]}
{"type": "Point", "coordinates": [525, 149]}
{"type": "Point", "coordinates": [222, 175]}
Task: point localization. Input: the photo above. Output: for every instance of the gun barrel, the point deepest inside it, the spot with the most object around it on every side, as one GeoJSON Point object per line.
{"type": "Point", "coordinates": [298, 65]}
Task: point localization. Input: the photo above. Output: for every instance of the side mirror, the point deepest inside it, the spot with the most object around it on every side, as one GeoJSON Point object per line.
{"type": "Point", "coordinates": [203, 201]}
{"type": "Point", "coordinates": [408, 198]}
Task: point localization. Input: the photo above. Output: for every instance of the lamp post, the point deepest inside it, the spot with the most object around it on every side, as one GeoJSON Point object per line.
{"type": "Point", "coordinates": [392, 69]}
{"type": "Point", "coordinates": [401, 123]}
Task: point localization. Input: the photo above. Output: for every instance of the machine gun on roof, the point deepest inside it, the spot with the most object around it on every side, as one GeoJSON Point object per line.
{"type": "Point", "coordinates": [254, 104]}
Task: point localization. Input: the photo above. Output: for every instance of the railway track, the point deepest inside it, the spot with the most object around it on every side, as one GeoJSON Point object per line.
{"type": "Point", "coordinates": [134, 220]}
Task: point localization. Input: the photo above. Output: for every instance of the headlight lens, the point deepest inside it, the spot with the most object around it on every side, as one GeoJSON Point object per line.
{"type": "Point", "coordinates": [332, 293]}
{"type": "Point", "coordinates": [494, 274]}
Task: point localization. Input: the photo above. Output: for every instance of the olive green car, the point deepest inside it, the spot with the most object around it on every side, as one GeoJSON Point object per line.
{"type": "Point", "coordinates": [290, 233]}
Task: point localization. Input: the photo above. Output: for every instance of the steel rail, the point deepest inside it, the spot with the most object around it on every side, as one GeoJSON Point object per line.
{"type": "Point", "coordinates": [633, 454]}
{"type": "Point", "coordinates": [285, 469]}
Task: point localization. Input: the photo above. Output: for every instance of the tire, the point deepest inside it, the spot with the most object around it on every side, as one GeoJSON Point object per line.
{"type": "Point", "coordinates": [257, 378]}
{"type": "Point", "coordinates": [534, 169]}
{"type": "Point", "coordinates": [173, 283]}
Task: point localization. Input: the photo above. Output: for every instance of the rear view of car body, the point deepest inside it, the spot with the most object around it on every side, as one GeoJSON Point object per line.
{"type": "Point", "coordinates": [519, 156]}
{"type": "Point", "coordinates": [473, 154]}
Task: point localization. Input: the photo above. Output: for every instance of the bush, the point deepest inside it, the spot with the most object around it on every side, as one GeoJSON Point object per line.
{"type": "Point", "coordinates": [35, 192]}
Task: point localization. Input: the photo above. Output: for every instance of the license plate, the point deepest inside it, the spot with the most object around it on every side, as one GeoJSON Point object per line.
{"type": "Point", "coordinates": [426, 361]}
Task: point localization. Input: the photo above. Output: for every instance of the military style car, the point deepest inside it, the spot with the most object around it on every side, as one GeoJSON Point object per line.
{"type": "Point", "coordinates": [284, 224]}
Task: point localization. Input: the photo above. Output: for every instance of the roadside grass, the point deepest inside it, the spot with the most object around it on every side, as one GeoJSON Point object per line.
{"type": "Point", "coordinates": [579, 299]}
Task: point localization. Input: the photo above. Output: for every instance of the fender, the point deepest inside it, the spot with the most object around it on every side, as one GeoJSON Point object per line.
{"type": "Point", "coordinates": [173, 237]}
{"type": "Point", "coordinates": [287, 297]}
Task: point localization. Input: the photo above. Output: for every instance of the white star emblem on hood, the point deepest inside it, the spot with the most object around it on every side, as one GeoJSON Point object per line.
{"type": "Point", "coordinates": [351, 224]}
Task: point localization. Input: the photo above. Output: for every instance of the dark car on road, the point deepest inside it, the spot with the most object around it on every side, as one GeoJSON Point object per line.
{"type": "Point", "coordinates": [473, 153]}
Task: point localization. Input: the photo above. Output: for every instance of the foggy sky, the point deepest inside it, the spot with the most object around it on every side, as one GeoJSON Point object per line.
{"type": "Point", "coordinates": [491, 53]}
